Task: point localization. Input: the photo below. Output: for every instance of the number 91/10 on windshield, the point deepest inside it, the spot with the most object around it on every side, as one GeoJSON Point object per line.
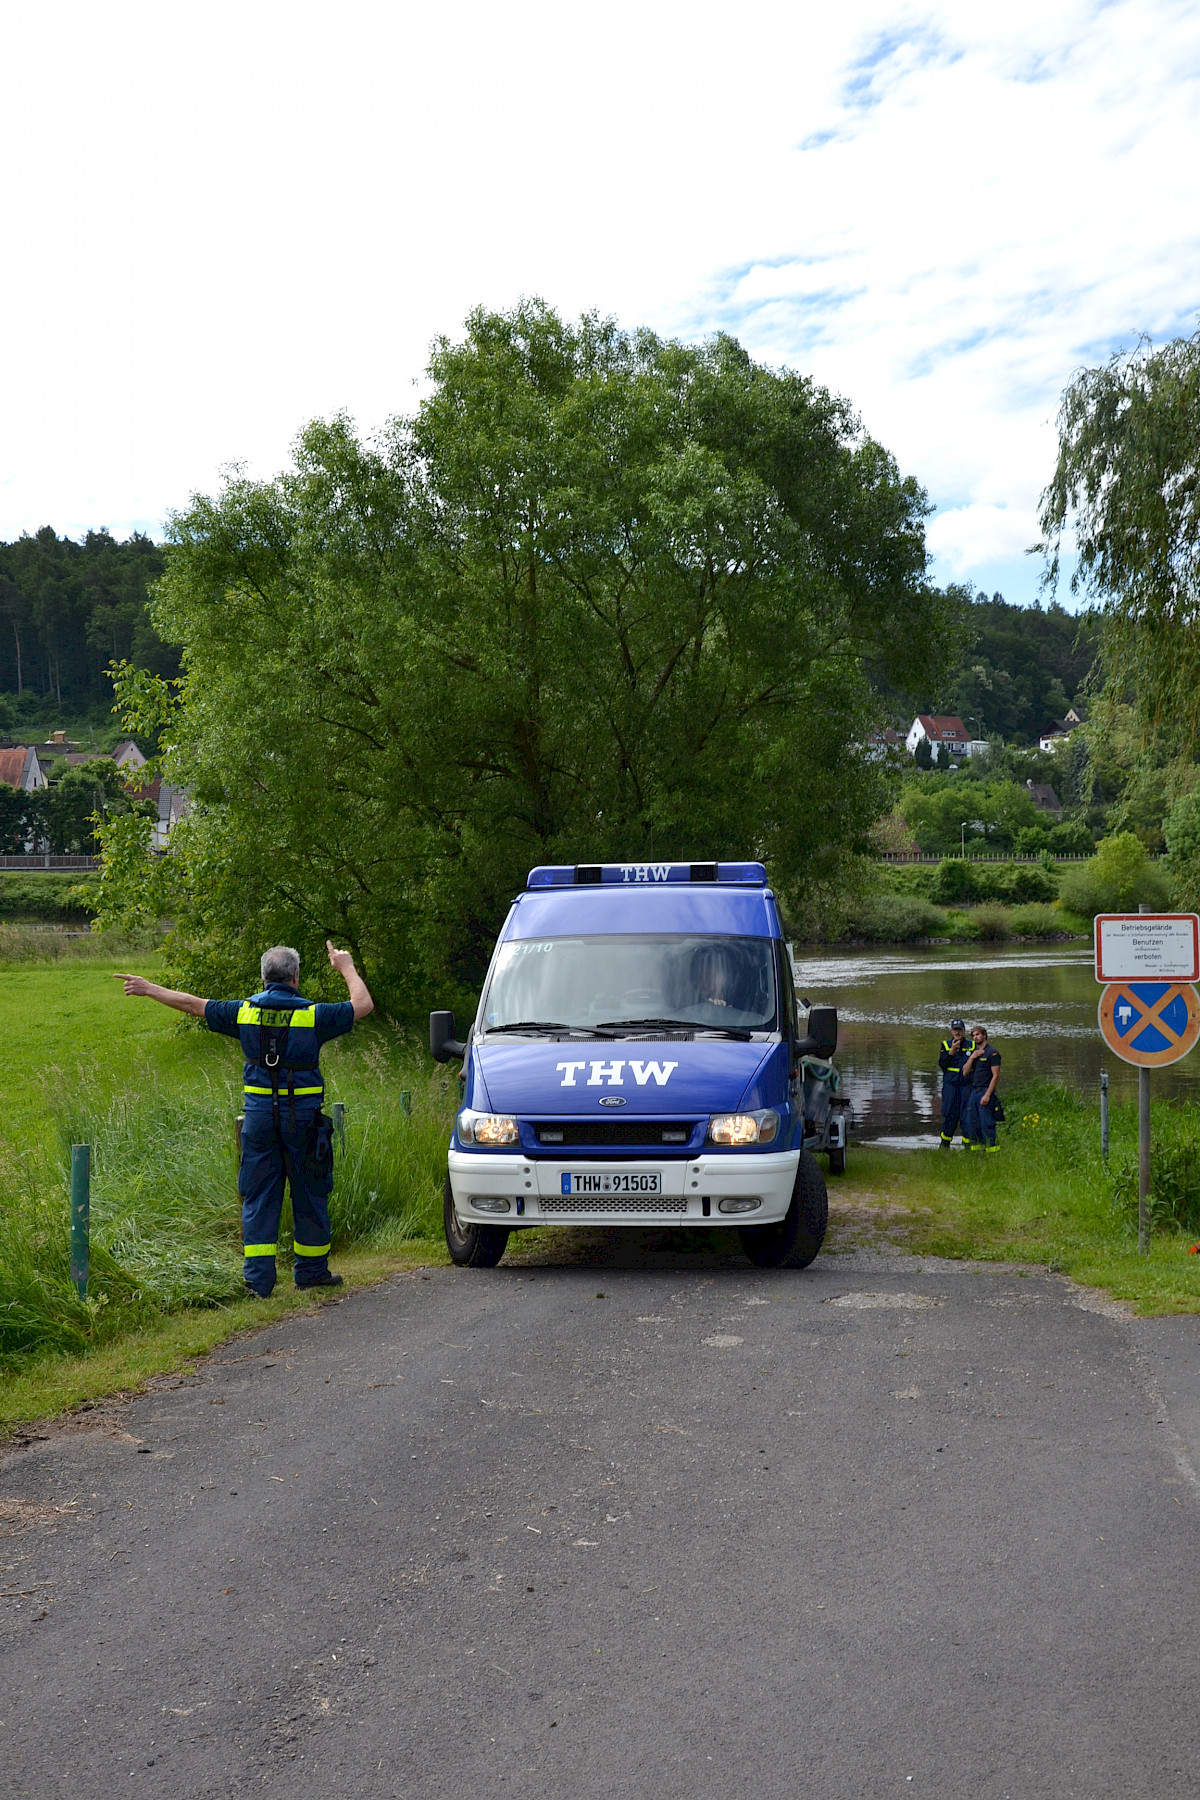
{"type": "Point", "coordinates": [600, 983]}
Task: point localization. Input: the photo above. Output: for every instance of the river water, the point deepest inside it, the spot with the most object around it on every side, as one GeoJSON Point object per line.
{"type": "Point", "coordinates": [895, 1006]}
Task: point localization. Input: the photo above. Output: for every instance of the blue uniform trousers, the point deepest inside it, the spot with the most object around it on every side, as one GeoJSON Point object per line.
{"type": "Point", "coordinates": [267, 1157]}
{"type": "Point", "coordinates": [953, 1094]}
{"type": "Point", "coordinates": [978, 1121]}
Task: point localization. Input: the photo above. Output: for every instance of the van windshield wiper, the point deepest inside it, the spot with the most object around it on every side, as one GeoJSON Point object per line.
{"type": "Point", "coordinates": [537, 1025]}
{"type": "Point", "coordinates": [733, 1031]}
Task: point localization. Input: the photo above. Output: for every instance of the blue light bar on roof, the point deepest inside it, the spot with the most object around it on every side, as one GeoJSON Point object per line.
{"type": "Point", "coordinates": [645, 874]}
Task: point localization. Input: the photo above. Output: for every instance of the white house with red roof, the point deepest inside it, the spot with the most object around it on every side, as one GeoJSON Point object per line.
{"type": "Point", "coordinates": [943, 732]}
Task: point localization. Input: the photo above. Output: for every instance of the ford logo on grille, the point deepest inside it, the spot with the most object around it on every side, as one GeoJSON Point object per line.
{"type": "Point", "coordinates": [611, 1100]}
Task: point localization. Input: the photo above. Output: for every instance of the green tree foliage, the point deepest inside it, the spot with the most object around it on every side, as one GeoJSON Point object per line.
{"type": "Point", "coordinates": [71, 806]}
{"type": "Point", "coordinates": [959, 882]}
{"type": "Point", "coordinates": [937, 807]}
{"type": "Point", "coordinates": [67, 610]}
{"type": "Point", "coordinates": [1128, 482]}
{"type": "Point", "coordinates": [1117, 878]}
{"type": "Point", "coordinates": [604, 596]}
{"type": "Point", "coordinates": [15, 827]}
{"type": "Point", "coordinates": [65, 816]}
{"type": "Point", "coordinates": [1181, 832]}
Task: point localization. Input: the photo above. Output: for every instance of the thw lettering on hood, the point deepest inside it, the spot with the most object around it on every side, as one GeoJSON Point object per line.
{"type": "Point", "coordinates": [610, 1073]}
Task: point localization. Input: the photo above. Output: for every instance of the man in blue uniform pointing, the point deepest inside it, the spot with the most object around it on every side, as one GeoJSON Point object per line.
{"type": "Point", "coordinates": [284, 1133]}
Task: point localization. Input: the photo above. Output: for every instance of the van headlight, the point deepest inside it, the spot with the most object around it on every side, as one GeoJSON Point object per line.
{"type": "Point", "coordinates": [740, 1129]}
{"type": "Point", "coordinates": [493, 1131]}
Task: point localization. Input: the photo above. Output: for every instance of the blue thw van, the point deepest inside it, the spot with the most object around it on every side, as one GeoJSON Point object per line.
{"type": "Point", "coordinates": [636, 1059]}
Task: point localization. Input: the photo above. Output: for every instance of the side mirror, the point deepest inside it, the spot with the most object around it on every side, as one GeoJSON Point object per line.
{"type": "Point", "coordinates": [822, 1033]}
{"type": "Point", "coordinates": [443, 1045]}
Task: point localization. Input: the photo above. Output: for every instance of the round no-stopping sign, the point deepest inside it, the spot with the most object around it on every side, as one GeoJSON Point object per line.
{"type": "Point", "coordinates": [1150, 1023]}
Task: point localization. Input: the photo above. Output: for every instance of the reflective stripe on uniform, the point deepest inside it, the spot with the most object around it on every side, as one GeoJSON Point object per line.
{"type": "Point", "coordinates": [283, 1090]}
{"type": "Point", "coordinates": [312, 1249]}
{"type": "Point", "coordinates": [259, 1249]}
{"type": "Point", "coordinates": [273, 1015]}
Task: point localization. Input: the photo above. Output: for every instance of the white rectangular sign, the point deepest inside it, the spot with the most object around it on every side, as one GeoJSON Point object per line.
{"type": "Point", "coordinates": [1148, 946]}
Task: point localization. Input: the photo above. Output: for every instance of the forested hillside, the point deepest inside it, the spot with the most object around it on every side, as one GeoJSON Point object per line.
{"type": "Point", "coordinates": [67, 610]}
{"type": "Point", "coordinates": [1016, 667]}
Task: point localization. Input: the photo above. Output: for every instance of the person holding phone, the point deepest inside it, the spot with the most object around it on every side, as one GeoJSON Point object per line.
{"type": "Point", "coordinates": [951, 1057]}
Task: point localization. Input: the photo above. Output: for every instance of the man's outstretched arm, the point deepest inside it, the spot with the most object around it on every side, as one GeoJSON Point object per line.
{"type": "Point", "coordinates": [360, 998]}
{"type": "Point", "coordinates": [139, 989]}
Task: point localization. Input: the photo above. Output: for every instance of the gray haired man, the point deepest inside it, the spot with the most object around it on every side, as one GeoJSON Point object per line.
{"type": "Point", "coordinates": [284, 1132]}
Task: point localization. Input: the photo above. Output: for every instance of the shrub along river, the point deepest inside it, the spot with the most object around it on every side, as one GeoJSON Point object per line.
{"type": "Point", "coordinates": [895, 1007]}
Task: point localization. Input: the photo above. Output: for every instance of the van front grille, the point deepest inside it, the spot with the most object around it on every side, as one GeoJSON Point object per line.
{"type": "Point", "coordinates": [673, 1133]}
{"type": "Point", "coordinates": [614, 1203]}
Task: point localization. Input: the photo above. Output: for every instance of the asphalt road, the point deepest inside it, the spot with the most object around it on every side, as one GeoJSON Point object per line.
{"type": "Point", "coordinates": [676, 1529]}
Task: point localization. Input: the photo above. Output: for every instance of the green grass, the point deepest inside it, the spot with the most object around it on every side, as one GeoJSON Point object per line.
{"type": "Point", "coordinates": [156, 1100]}
{"type": "Point", "coordinates": [1048, 1197]}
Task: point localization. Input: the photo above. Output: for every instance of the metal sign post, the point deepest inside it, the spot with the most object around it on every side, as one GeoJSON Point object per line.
{"type": "Point", "coordinates": [1144, 1143]}
{"type": "Point", "coordinates": [1149, 1013]}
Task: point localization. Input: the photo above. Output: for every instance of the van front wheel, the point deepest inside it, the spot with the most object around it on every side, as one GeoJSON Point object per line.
{"type": "Point", "coordinates": [471, 1246]}
{"type": "Point", "coordinates": [795, 1240]}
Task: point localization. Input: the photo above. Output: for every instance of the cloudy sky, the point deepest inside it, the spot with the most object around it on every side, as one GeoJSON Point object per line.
{"type": "Point", "coordinates": [225, 219]}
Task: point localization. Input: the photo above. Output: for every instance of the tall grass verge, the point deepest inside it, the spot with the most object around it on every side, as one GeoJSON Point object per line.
{"type": "Point", "coordinates": [165, 1212]}
{"type": "Point", "coordinates": [49, 943]}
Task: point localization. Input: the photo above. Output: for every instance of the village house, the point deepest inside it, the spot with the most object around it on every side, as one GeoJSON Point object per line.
{"type": "Point", "coordinates": [1046, 800]}
{"type": "Point", "coordinates": [884, 743]}
{"type": "Point", "coordinates": [942, 732]}
{"type": "Point", "coordinates": [20, 768]}
{"type": "Point", "coordinates": [1058, 732]}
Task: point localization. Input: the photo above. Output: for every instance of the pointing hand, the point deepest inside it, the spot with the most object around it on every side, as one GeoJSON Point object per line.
{"type": "Point", "coordinates": [136, 986]}
{"type": "Point", "coordinates": [341, 960]}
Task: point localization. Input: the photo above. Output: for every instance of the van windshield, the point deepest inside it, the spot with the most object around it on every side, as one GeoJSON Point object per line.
{"type": "Point", "coordinates": [584, 983]}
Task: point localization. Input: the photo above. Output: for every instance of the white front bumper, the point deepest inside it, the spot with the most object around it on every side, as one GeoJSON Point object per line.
{"type": "Point", "coordinates": [533, 1188]}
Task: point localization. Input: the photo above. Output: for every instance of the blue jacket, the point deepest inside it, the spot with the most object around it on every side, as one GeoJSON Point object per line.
{"type": "Point", "coordinates": [279, 1024]}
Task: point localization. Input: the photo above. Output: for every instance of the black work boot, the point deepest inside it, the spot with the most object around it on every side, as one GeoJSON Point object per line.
{"type": "Point", "coordinates": [325, 1279]}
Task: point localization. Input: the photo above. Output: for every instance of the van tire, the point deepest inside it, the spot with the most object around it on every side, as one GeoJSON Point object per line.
{"type": "Point", "coordinates": [471, 1246]}
{"type": "Point", "coordinates": [795, 1240]}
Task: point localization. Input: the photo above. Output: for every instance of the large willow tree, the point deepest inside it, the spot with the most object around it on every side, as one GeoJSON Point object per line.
{"type": "Point", "coordinates": [1127, 483]}
{"type": "Point", "coordinates": [604, 596]}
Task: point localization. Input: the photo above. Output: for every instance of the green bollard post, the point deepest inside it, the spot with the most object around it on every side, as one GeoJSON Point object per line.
{"type": "Point", "coordinates": [338, 1110]}
{"type": "Point", "coordinates": [406, 1101]}
{"type": "Point", "coordinates": [81, 1207]}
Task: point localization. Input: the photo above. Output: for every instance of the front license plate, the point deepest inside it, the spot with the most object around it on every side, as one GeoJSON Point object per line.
{"type": "Point", "coordinates": [594, 1183]}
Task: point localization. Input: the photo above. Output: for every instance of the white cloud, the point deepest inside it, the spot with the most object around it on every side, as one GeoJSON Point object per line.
{"type": "Point", "coordinates": [970, 537]}
{"type": "Point", "coordinates": [223, 220]}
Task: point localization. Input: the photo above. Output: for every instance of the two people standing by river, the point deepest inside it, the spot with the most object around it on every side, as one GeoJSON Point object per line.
{"type": "Point", "coordinates": [969, 1078]}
